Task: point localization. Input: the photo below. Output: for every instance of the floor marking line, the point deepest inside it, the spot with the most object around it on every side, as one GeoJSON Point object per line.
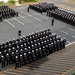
{"type": "Point", "coordinates": [12, 18]}
{"type": "Point", "coordinates": [39, 15]}
{"type": "Point", "coordinates": [10, 72]}
{"type": "Point", "coordinates": [73, 36]}
{"type": "Point", "coordinates": [9, 23]}
{"type": "Point", "coordinates": [70, 43]}
{"type": "Point", "coordinates": [25, 18]}
{"type": "Point", "coordinates": [22, 8]}
{"type": "Point", "coordinates": [71, 29]}
{"type": "Point", "coordinates": [68, 70]}
{"type": "Point", "coordinates": [7, 70]}
{"type": "Point", "coordinates": [18, 21]}
{"type": "Point", "coordinates": [64, 32]}
{"type": "Point", "coordinates": [67, 34]}
{"type": "Point", "coordinates": [31, 16]}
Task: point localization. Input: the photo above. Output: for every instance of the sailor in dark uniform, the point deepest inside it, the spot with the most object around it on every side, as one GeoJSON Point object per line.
{"type": "Point", "coordinates": [2, 61]}
{"type": "Point", "coordinates": [52, 22]}
{"type": "Point", "coordinates": [28, 9]}
{"type": "Point", "coordinates": [16, 62]}
{"type": "Point", "coordinates": [1, 19]}
{"type": "Point", "coordinates": [21, 60]}
{"type": "Point", "coordinates": [19, 33]}
{"type": "Point", "coordinates": [8, 58]}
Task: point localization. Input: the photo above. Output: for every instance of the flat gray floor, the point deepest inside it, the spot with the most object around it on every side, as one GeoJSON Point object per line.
{"type": "Point", "coordinates": [32, 22]}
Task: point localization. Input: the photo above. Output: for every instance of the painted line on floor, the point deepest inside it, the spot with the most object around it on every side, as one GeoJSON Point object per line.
{"type": "Point", "coordinates": [3, 74]}
{"type": "Point", "coordinates": [25, 18]}
{"type": "Point", "coordinates": [31, 16]}
{"type": "Point", "coordinates": [22, 7]}
{"type": "Point", "coordinates": [70, 43]}
{"type": "Point", "coordinates": [7, 70]}
{"type": "Point", "coordinates": [12, 18]}
{"type": "Point", "coordinates": [68, 70]}
{"type": "Point", "coordinates": [64, 32]}
{"type": "Point", "coordinates": [39, 15]}
{"type": "Point", "coordinates": [9, 23]}
{"type": "Point", "coordinates": [9, 73]}
{"type": "Point", "coordinates": [18, 21]}
{"type": "Point", "coordinates": [71, 29]}
{"type": "Point", "coordinates": [67, 34]}
{"type": "Point", "coordinates": [73, 36]}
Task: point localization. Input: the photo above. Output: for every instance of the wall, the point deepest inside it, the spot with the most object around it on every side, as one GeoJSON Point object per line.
{"type": "Point", "coordinates": [4, 0]}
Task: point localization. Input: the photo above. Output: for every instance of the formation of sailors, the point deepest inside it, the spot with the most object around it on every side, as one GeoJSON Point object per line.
{"type": "Point", "coordinates": [62, 15]}
{"type": "Point", "coordinates": [54, 11]}
{"type": "Point", "coordinates": [43, 7]}
{"type": "Point", "coordinates": [6, 12]}
{"type": "Point", "coordinates": [30, 48]}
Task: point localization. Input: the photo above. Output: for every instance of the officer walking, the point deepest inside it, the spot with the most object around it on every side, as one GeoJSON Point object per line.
{"type": "Point", "coordinates": [28, 9]}
{"type": "Point", "coordinates": [52, 21]}
{"type": "Point", "coordinates": [19, 33]}
{"type": "Point", "coordinates": [16, 13]}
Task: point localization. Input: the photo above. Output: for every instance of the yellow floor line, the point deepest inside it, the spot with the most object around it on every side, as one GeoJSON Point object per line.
{"type": "Point", "coordinates": [68, 70]}
{"type": "Point", "coordinates": [3, 74]}
{"type": "Point", "coordinates": [6, 70]}
{"type": "Point", "coordinates": [10, 72]}
{"type": "Point", "coordinates": [21, 74]}
{"type": "Point", "coordinates": [19, 70]}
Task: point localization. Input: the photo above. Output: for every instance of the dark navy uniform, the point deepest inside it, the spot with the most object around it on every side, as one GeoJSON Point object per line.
{"type": "Point", "coordinates": [25, 58]}
{"type": "Point", "coordinates": [8, 58]}
{"type": "Point", "coordinates": [16, 62]}
{"type": "Point", "coordinates": [28, 9]}
{"type": "Point", "coordinates": [19, 33]}
{"type": "Point", "coordinates": [3, 61]}
{"type": "Point", "coordinates": [13, 57]}
{"type": "Point", "coordinates": [1, 18]}
{"type": "Point", "coordinates": [52, 21]}
{"type": "Point", "coordinates": [21, 60]}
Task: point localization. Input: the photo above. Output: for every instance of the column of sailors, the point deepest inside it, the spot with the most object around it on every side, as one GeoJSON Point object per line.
{"type": "Point", "coordinates": [30, 48]}
{"type": "Point", "coordinates": [6, 12]}
{"type": "Point", "coordinates": [54, 11]}
{"type": "Point", "coordinates": [43, 7]}
{"type": "Point", "coordinates": [62, 15]}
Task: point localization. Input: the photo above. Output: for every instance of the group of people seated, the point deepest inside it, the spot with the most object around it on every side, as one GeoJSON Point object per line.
{"type": "Point", "coordinates": [29, 48]}
{"type": "Point", "coordinates": [6, 12]}
{"type": "Point", "coordinates": [62, 15]}
{"type": "Point", "coordinates": [43, 7]}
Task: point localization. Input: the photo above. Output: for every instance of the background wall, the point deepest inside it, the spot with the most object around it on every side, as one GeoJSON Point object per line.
{"type": "Point", "coordinates": [4, 0]}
